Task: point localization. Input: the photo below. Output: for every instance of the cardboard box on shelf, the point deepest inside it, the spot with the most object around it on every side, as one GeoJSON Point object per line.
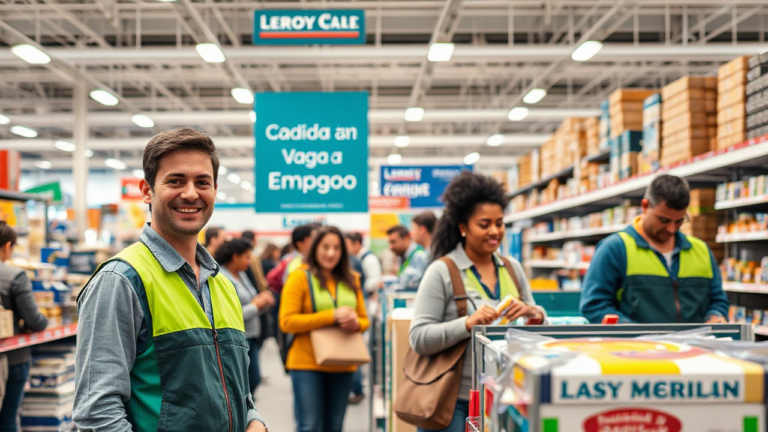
{"type": "Point", "coordinates": [739, 64]}
{"type": "Point", "coordinates": [686, 106]}
{"type": "Point", "coordinates": [687, 134]}
{"type": "Point", "coordinates": [626, 106]}
{"type": "Point", "coordinates": [711, 118]}
{"type": "Point", "coordinates": [737, 126]}
{"type": "Point", "coordinates": [6, 323]}
{"type": "Point", "coordinates": [681, 85]}
{"type": "Point", "coordinates": [710, 83]}
{"type": "Point", "coordinates": [736, 95]}
{"type": "Point", "coordinates": [735, 80]}
{"type": "Point", "coordinates": [730, 140]}
{"type": "Point", "coordinates": [630, 95]}
{"type": "Point", "coordinates": [685, 97]}
{"type": "Point", "coordinates": [685, 121]}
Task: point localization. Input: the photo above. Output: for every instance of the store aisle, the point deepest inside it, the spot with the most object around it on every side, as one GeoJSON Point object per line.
{"type": "Point", "coordinates": [275, 397]}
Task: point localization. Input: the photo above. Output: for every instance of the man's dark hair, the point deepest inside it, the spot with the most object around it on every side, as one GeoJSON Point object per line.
{"type": "Point", "coordinates": [427, 220]}
{"type": "Point", "coordinates": [249, 236]}
{"type": "Point", "coordinates": [7, 235]}
{"type": "Point", "coordinates": [354, 237]}
{"type": "Point", "coordinates": [228, 250]}
{"type": "Point", "coordinates": [210, 234]}
{"type": "Point", "coordinates": [669, 189]}
{"type": "Point", "coordinates": [173, 140]}
{"type": "Point", "coordinates": [399, 230]}
{"type": "Point", "coordinates": [300, 233]}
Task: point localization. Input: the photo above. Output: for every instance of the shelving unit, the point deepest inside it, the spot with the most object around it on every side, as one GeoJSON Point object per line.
{"type": "Point", "coordinates": [574, 234]}
{"type": "Point", "coordinates": [22, 197]}
{"type": "Point", "coordinates": [745, 287]}
{"type": "Point", "coordinates": [48, 335]}
{"type": "Point", "coordinates": [741, 202]}
{"type": "Point", "coordinates": [556, 264]}
{"type": "Point", "coordinates": [742, 237]}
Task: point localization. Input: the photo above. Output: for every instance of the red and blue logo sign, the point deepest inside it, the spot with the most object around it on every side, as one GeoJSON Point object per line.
{"type": "Point", "coordinates": [309, 27]}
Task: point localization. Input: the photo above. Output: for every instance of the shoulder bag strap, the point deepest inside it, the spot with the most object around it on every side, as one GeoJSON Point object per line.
{"type": "Point", "coordinates": [511, 271]}
{"type": "Point", "coordinates": [459, 293]}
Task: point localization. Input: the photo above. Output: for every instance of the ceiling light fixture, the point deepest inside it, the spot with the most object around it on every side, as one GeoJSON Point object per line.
{"type": "Point", "coordinates": [471, 158]}
{"type": "Point", "coordinates": [138, 173]}
{"type": "Point", "coordinates": [30, 54]}
{"type": "Point", "coordinates": [245, 184]}
{"type": "Point", "coordinates": [104, 97]}
{"type": "Point", "coordinates": [586, 50]}
{"type": "Point", "coordinates": [242, 95]}
{"type": "Point", "coordinates": [43, 164]}
{"type": "Point", "coordinates": [210, 52]}
{"type": "Point", "coordinates": [142, 120]}
{"type": "Point", "coordinates": [440, 52]}
{"type": "Point", "coordinates": [495, 140]}
{"type": "Point", "coordinates": [394, 159]}
{"type": "Point", "coordinates": [234, 178]}
{"type": "Point", "coordinates": [517, 113]}
{"type": "Point", "coordinates": [23, 131]}
{"type": "Point", "coordinates": [414, 114]}
{"type": "Point", "coordinates": [535, 95]}
{"type": "Point", "coordinates": [252, 116]}
{"type": "Point", "coordinates": [64, 145]}
{"type": "Point", "coordinates": [115, 164]}
{"type": "Point", "coordinates": [402, 141]}
{"type": "Point", "coordinates": [4, 120]}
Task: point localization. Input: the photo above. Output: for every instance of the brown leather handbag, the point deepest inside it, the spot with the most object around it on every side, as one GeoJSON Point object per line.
{"type": "Point", "coordinates": [427, 395]}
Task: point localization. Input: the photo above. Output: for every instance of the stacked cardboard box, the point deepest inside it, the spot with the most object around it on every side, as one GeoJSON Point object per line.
{"type": "Point", "coordinates": [704, 220]}
{"type": "Point", "coordinates": [688, 108]}
{"type": "Point", "coordinates": [565, 148]}
{"type": "Point", "coordinates": [648, 159]}
{"type": "Point", "coordinates": [757, 96]}
{"type": "Point", "coordinates": [630, 145]}
{"type": "Point", "coordinates": [605, 125]}
{"type": "Point", "coordinates": [731, 103]}
{"type": "Point", "coordinates": [526, 170]}
{"type": "Point", "coordinates": [626, 110]}
{"type": "Point", "coordinates": [592, 126]}
{"type": "Point", "coordinates": [550, 159]}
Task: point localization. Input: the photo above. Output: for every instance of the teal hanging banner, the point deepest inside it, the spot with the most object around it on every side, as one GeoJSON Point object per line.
{"type": "Point", "coordinates": [311, 152]}
{"type": "Point", "coordinates": [308, 27]}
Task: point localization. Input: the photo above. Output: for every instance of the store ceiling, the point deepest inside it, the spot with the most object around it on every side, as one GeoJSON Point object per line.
{"type": "Point", "coordinates": [145, 52]}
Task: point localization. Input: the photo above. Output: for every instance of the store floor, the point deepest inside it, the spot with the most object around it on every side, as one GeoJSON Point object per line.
{"type": "Point", "coordinates": [274, 399]}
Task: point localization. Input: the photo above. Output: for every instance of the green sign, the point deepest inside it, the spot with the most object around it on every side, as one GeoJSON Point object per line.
{"type": "Point", "coordinates": [49, 191]}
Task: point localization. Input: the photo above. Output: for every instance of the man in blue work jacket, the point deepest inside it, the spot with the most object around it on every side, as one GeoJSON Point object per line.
{"type": "Point", "coordinates": [650, 272]}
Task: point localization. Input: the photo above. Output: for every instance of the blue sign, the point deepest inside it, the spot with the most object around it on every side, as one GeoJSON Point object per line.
{"type": "Point", "coordinates": [311, 152]}
{"type": "Point", "coordinates": [306, 27]}
{"type": "Point", "coordinates": [422, 184]}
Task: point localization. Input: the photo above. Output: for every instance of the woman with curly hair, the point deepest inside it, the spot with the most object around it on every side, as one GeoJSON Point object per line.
{"type": "Point", "coordinates": [469, 233]}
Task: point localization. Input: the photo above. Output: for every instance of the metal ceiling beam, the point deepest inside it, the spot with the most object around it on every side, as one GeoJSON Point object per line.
{"type": "Point", "coordinates": [730, 24]}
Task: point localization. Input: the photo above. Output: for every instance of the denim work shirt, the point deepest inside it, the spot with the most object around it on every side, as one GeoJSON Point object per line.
{"type": "Point", "coordinates": [411, 276]}
{"type": "Point", "coordinates": [112, 330]}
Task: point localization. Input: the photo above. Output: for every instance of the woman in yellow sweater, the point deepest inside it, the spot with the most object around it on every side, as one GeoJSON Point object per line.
{"type": "Point", "coordinates": [325, 294]}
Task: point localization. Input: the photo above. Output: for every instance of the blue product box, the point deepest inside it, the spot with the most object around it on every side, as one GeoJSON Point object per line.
{"type": "Point", "coordinates": [61, 292]}
{"type": "Point", "coordinates": [630, 141]}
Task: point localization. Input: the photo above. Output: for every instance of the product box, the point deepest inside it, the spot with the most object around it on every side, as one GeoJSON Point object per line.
{"type": "Point", "coordinates": [681, 85]}
{"type": "Point", "coordinates": [735, 80]}
{"type": "Point", "coordinates": [685, 121]}
{"type": "Point", "coordinates": [615, 159]}
{"type": "Point", "coordinates": [6, 323]}
{"type": "Point", "coordinates": [629, 95]}
{"type": "Point", "coordinates": [737, 126]}
{"type": "Point", "coordinates": [740, 64]}
{"type": "Point", "coordinates": [736, 95]}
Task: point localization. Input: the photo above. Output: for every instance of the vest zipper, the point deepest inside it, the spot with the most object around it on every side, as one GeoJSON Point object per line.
{"type": "Point", "coordinates": [677, 302]}
{"type": "Point", "coordinates": [223, 382]}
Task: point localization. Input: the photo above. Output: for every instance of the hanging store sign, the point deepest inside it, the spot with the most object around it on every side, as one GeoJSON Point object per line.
{"type": "Point", "coordinates": [311, 152]}
{"type": "Point", "coordinates": [308, 27]}
{"type": "Point", "coordinates": [130, 189]}
{"type": "Point", "coordinates": [49, 191]}
{"type": "Point", "coordinates": [423, 185]}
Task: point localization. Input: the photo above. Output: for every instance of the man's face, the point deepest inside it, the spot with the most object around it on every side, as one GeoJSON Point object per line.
{"type": "Point", "coordinates": [417, 232]}
{"type": "Point", "coordinates": [184, 194]}
{"type": "Point", "coordinates": [306, 244]}
{"type": "Point", "coordinates": [399, 245]}
{"type": "Point", "coordinates": [353, 247]}
{"type": "Point", "coordinates": [660, 222]}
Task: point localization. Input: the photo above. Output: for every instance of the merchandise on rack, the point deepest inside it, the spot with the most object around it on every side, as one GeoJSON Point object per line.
{"type": "Point", "coordinates": [648, 160]}
{"type": "Point", "coordinates": [48, 403]}
{"type": "Point", "coordinates": [732, 102]}
{"type": "Point", "coordinates": [689, 116]}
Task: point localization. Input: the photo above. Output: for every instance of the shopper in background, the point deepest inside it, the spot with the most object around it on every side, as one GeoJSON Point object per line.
{"type": "Point", "coordinates": [286, 250]}
{"type": "Point", "coordinates": [413, 259]}
{"type": "Point", "coordinates": [214, 237]}
{"type": "Point", "coordinates": [165, 364]}
{"type": "Point", "coordinates": [269, 258]}
{"type": "Point", "coordinates": [371, 277]}
{"type": "Point", "coordinates": [422, 228]}
{"type": "Point", "coordinates": [469, 233]}
{"type": "Point", "coordinates": [16, 295]}
{"type": "Point", "coordinates": [325, 294]}
{"type": "Point", "coordinates": [235, 257]}
{"type": "Point", "coordinates": [256, 275]}
{"type": "Point", "coordinates": [651, 272]}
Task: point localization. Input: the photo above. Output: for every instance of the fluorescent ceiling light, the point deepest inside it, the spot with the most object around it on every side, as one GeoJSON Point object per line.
{"type": "Point", "coordinates": [138, 173]}
{"type": "Point", "coordinates": [64, 145]}
{"type": "Point", "coordinates": [142, 120]}
{"type": "Point", "coordinates": [394, 159]}
{"type": "Point", "coordinates": [471, 158]}
{"type": "Point", "coordinates": [4, 120]}
{"type": "Point", "coordinates": [88, 153]}
{"type": "Point", "coordinates": [234, 178]}
{"type": "Point", "coordinates": [242, 95]}
{"type": "Point", "coordinates": [495, 140]}
{"type": "Point", "coordinates": [517, 113]}
{"type": "Point", "coordinates": [104, 97]}
{"type": "Point", "coordinates": [115, 164]}
{"type": "Point", "coordinates": [43, 164]}
{"type": "Point", "coordinates": [168, 1]}
{"type": "Point", "coordinates": [252, 116]}
{"type": "Point", "coordinates": [222, 170]}
{"type": "Point", "coordinates": [414, 114]}
{"type": "Point", "coordinates": [24, 131]}
{"type": "Point", "coordinates": [232, 200]}
{"type": "Point", "coordinates": [534, 96]}
{"type": "Point", "coordinates": [587, 50]}
{"type": "Point", "coordinates": [402, 141]}
{"type": "Point", "coordinates": [440, 52]}
{"type": "Point", "coordinates": [210, 52]}
{"type": "Point", "coordinates": [245, 184]}
{"type": "Point", "coordinates": [30, 54]}
{"type": "Point", "coordinates": [221, 195]}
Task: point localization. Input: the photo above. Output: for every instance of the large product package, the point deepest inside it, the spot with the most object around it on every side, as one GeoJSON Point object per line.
{"type": "Point", "coordinates": [629, 385]}
{"type": "Point", "coordinates": [652, 127]}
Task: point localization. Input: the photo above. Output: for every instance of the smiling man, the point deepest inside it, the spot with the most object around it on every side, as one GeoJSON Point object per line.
{"type": "Point", "coordinates": [161, 340]}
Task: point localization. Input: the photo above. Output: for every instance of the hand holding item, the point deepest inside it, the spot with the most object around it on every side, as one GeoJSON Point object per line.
{"type": "Point", "coordinates": [264, 299]}
{"type": "Point", "coordinates": [485, 315]}
{"type": "Point", "coordinates": [344, 314]}
{"type": "Point", "coordinates": [716, 319]}
{"type": "Point", "coordinates": [515, 309]}
{"type": "Point", "coordinates": [352, 325]}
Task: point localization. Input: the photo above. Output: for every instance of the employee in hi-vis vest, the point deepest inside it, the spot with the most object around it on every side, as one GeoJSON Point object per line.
{"type": "Point", "coordinates": [651, 272]}
{"type": "Point", "coordinates": [413, 259]}
{"type": "Point", "coordinates": [161, 343]}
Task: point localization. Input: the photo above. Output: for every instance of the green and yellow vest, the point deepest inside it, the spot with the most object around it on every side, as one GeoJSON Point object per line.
{"type": "Point", "coordinates": [189, 376]}
{"type": "Point", "coordinates": [651, 296]}
{"type": "Point", "coordinates": [404, 265]}
{"type": "Point", "coordinates": [322, 299]}
{"type": "Point", "coordinates": [506, 284]}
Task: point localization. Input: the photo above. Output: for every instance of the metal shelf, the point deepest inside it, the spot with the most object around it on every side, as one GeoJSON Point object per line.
{"type": "Point", "coordinates": [745, 287]}
{"type": "Point", "coordinates": [704, 167]}
{"type": "Point", "coordinates": [570, 234]}
{"type": "Point", "coordinates": [555, 264]}
{"type": "Point", "coordinates": [48, 335]}
{"type": "Point", "coordinates": [741, 202]}
{"type": "Point", "coordinates": [742, 237]}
